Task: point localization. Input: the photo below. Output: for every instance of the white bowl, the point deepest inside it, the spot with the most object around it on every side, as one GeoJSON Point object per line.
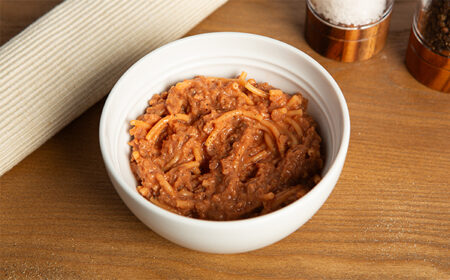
{"type": "Point", "coordinates": [224, 55]}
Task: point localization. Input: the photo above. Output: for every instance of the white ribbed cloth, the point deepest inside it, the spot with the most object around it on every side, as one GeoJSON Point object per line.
{"type": "Point", "coordinates": [70, 58]}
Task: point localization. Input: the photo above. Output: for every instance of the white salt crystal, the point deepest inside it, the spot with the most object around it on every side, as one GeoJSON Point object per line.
{"type": "Point", "coordinates": [350, 12]}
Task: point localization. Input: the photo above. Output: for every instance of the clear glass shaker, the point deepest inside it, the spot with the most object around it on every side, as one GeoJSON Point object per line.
{"type": "Point", "coordinates": [428, 52]}
{"type": "Point", "coordinates": [347, 30]}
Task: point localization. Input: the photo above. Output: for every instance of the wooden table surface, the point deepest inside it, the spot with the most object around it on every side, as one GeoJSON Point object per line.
{"type": "Point", "coordinates": [388, 217]}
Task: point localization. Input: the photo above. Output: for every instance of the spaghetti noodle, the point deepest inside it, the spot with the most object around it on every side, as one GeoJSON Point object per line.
{"type": "Point", "coordinates": [225, 149]}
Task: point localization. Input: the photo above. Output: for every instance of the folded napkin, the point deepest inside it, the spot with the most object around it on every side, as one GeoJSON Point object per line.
{"type": "Point", "coordinates": [70, 58]}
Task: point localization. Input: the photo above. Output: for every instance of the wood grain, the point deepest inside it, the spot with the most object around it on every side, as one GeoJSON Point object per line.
{"type": "Point", "coordinates": [343, 44]}
{"type": "Point", "coordinates": [388, 217]}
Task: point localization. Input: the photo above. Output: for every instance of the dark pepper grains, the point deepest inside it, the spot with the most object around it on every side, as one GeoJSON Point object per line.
{"type": "Point", "coordinates": [437, 27]}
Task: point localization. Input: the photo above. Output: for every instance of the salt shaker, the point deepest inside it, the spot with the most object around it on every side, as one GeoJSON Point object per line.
{"type": "Point", "coordinates": [347, 30]}
{"type": "Point", "coordinates": [428, 52]}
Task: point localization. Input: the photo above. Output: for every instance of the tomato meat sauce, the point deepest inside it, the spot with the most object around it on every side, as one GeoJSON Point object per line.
{"type": "Point", "coordinates": [225, 149]}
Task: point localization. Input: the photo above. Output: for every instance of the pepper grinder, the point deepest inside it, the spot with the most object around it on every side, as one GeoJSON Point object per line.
{"type": "Point", "coordinates": [428, 52]}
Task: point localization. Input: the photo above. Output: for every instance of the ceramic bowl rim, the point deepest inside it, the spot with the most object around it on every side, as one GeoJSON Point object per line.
{"type": "Point", "coordinates": [335, 165]}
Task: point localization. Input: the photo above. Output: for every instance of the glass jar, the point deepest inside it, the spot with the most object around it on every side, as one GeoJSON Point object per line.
{"type": "Point", "coordinates": [347, 30]}
{"type": "Point", "coordinates": [428, 52]}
